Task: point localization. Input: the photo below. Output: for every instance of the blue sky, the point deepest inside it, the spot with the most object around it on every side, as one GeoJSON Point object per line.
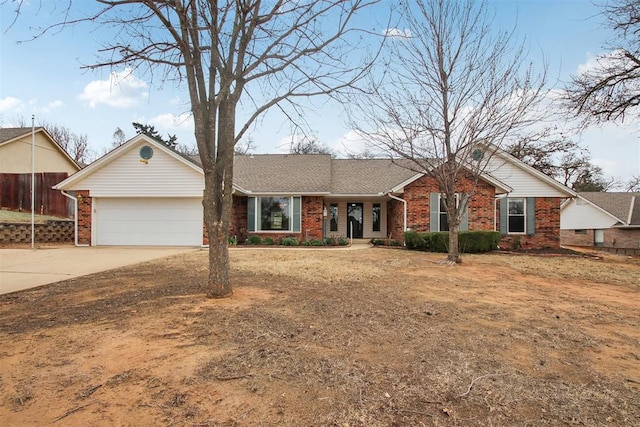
{"type": "Point", "coordinates": [44, 77]}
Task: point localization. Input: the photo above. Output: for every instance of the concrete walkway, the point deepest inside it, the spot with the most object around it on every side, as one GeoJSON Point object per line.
{"type": "Point", "coordinates": [26, 268]}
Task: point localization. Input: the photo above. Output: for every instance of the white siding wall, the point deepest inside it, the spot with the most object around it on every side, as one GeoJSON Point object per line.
{"type": "Point", "coordinates": [523, 182]}
{"type": "Point", "coordinates": [580, 215]}
{"type": "Point", "coordinates": [127, 176]}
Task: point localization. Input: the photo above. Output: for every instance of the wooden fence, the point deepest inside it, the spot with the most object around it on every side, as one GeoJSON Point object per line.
{"type": "Point", "coordinates": [15, 193]}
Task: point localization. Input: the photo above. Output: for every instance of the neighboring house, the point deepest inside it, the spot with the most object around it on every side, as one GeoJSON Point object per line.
{"type": "Point", "coordinates": [50, 164]}
{"type": "Point", "coordinates": [606, 220]}
{"type": "Point", "coordinates": [144, 193]}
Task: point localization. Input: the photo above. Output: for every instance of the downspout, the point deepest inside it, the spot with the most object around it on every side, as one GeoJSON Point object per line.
{"type": "Point", "coordinates": [75, 216]}
{"type": "Point", "coordinates": [404, 202]}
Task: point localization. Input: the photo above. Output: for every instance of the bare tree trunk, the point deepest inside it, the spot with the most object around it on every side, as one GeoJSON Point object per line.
{"type": "Point", "coordinates": [454, 253]}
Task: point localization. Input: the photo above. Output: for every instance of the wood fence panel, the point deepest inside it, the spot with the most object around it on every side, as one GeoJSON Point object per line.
{"type": "Point", "coordinates": [15, 193]}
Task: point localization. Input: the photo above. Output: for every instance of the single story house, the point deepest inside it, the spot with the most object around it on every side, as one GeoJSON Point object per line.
{"type": "Point", "coordinates": [144, 193]}
{"type": "Point", "coordinates": [24, 151]}
{"type": "Point", "coordinates": [601, 219]}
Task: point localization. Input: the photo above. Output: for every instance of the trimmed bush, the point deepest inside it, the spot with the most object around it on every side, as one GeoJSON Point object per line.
{"type": "Point", "coordinates": [232, 241]}
{"type": "Point", "coordinates": [468, 241]}
{"type": "Point", "coordinates": [289, 241]}
{"type": "Point", "coordinates": [416, 241]}
{"type": "Point", "coordinates": [268, 241]}
{"type": "Point", "coordinates": [316, 242]}
{"type": "Point", "coordinates": [472, 242]}
{"type": "Point", "coordinates": [254, 240]}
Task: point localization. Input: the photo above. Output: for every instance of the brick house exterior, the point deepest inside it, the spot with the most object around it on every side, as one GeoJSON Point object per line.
{"type": "Point", "coordinates": [158, 198]}
{"type": "Point", "coordinates": [605, 220]}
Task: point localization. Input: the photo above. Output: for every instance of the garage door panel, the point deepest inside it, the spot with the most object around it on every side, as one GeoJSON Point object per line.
{"type": "Point", "coordinates": [152, 222]}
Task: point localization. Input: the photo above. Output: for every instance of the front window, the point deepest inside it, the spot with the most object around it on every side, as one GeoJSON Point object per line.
{"type": "Point", "coordinates": [442, 213]}
{"type": "Point", "coordinates": [516, 216]}
{"type": "Point", "coordinates": [274, 213]}
{"type": "Point", "coordinates": [376, 216]}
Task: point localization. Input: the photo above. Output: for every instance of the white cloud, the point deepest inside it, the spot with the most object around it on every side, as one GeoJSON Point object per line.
{"type": "Point", "coordinates": [120, 90]}
{"type": "Point", "coordinates": [52, 105]}
{"type": "Point", "coordinates": [170, 122]}
{"type": "Point", "coordinates": [10, 104]}
{"type": "Point", "coordinates": [397, 33]}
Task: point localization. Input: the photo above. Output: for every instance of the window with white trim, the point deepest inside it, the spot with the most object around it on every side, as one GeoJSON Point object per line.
{"type": "Point", "coordinates": [274, 213]}
{"type": "Point", "coordinates": [516, 216]}
{"type": "Point", "coordinates": [443, 221]}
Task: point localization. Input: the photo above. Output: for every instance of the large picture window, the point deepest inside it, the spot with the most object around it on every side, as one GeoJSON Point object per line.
{"type": "Point", "coordinates": [516, 216]}
{"type": "Point", "coordinates": [274, 214]}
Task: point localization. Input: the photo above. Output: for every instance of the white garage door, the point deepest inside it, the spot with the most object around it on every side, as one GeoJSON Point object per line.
{"type": "Point", "coordinates": [148, 222]}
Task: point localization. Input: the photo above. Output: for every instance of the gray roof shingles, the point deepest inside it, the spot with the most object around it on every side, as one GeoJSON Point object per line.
{"type": "Point", "coordinates": [316, 173]}
{"type": "Point", "coordinates": [7, 134]}
{"type": "Point", "coordinates": [617, 204]}
{"type": "Point", "coordinates": [370, 176]}
{"type": "Point", "coordinates": [283, 173]}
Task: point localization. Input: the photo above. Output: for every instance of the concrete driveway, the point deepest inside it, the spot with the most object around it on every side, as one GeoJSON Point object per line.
{"type": "Point", "coordinates": [25, 268]}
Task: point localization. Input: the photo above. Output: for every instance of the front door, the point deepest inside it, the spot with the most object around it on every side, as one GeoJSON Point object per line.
{"type": "Point", "coordinates": [354, 220]}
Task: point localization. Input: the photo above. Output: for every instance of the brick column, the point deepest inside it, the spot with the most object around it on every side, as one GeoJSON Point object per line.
{"type": "Point", "coordinates": [84, 217]}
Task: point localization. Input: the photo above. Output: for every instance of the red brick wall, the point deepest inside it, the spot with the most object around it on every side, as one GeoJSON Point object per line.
{"type": "Point", "coordinates": [395, 220]}
{"type": "Point", "coordinates": [238, 226]}
{"type": "Point", "coordinates": [84, 217]}
{"type": "Point", "coordinates": [547, 232]}
{"type": "Point", "coordinates": [614, 238]}
{"type": "Point", "coordinates": [571, 238]}
{"type": "Point", "coordinates": [480, 208]}
{"type": "Point", "coordinates": [311, 220]}
{"type": "Point", "coordinates": [622, 238]}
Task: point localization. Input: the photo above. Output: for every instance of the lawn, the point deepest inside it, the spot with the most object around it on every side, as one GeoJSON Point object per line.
{"type": "Point", "coordinates": [371, 337]}
{"type": "Point", "coordinates": [7, 216]}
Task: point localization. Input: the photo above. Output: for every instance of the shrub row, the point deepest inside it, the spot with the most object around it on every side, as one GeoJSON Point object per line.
{"type": "Point", "coordinates": [468, 241]}
{"type": "Point", "coordinates": [292, 241]}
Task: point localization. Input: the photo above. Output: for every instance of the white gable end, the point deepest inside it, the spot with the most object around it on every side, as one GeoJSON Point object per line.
{"type": "Point", "coordinates": [582, 215]}
{"type": "Point", "coordinates": [129, 176]}
{"type": "Point", "coordinates": [523, 182]}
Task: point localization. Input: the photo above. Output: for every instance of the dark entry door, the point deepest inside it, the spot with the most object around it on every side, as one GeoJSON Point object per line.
{"type": "Point", "coordinates": [354, 220]}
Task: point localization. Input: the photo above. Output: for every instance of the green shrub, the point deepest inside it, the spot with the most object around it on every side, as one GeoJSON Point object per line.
{"type": "Point", "coordinates": [268, 241]}
{"type": "Point", "coordinates": [468, 241]}
{"type": "Point", "coordinates": [315, 242]}
{"type": "Point", "coordinates": [472, 242]}
{"type": "Point", "coordinates": [289, 241]}
{"type": "Point", "coordinates": [416, 241]}
{"type": "Point", "coordinates": [254, 240]}
{"type": "Point", "coordinates": [384, 242]}
{"type": "Point", "coordinates": [232, 241]}
{"type": "Point", "coordinates": [342, 241]}
{"type": "Point", "coordinates": [439, 241]}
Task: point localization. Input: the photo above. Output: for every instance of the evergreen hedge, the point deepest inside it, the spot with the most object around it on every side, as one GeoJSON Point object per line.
{"type": "Point", "coordinates": [468, 241]}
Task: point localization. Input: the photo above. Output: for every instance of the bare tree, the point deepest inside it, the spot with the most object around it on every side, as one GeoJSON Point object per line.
{"type": "Point", "coordinates": [263, 54]}
{"type": "Point", "coordinates": [610, 88]}
{"type": "Point", "coordinates": [309, 145]}
{"type": "Point", "coordinates": [633, 184]}
{"type": "Point", "coordinates": [451, 85]}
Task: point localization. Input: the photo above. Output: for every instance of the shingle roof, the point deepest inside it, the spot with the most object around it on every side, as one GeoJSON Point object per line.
{"type": "Point", "coordinates": [617, 204]}
{"type": "Point", "coordinates": [7, 134]}
{"type": "Point", "coordinates": [283, 173]}
{"type": "Point", "coordinates": [370, 176]}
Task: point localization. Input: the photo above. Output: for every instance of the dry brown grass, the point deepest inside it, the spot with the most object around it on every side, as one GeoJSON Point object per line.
{"type": "Point", "coordinates": [372, 337]}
